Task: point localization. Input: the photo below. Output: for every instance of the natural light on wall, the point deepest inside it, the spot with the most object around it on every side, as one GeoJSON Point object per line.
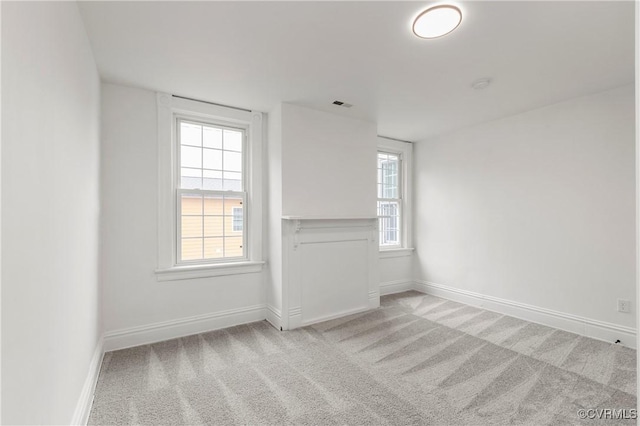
{"type": "Point", "coordinates": [437, 21]}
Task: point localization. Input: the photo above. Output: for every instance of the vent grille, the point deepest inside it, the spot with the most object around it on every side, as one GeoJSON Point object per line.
{"type": "Point", "coordinates": [342, 104]}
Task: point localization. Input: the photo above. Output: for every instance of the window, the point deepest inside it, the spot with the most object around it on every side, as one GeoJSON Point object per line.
{"type": "Point", "coordinates": [394, 197]}
{"type": "Point", "coordinates": [211, 188]}
{"type": "Point", "coordinates": [389, 199]}
{"type": "Point", "coordinates": [210, 193]}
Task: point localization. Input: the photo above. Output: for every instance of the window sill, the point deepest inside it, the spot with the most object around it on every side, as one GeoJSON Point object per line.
{"type": "Point", "coordinates": [206, 271]}
{"type": "Point", "coordinates": [399, 252]}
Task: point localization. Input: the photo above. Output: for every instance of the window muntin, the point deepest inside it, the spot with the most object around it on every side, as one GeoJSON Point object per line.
{"type": "Point", "coordinates": [389, 199]}
{"type": "Point", "coordinates": [210, 189]}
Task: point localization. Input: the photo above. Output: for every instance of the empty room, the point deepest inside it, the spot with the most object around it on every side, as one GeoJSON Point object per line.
{"type": "Point", "coordinates": [318, 213]}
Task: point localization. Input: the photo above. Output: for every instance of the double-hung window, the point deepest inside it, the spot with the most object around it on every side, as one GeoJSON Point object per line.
{"type": "Point", "coordinates": [210, 189]}
{"type": "Point", "coordinates": [389, 199]}
{"type": "Point", "coordinates": [394, 197]}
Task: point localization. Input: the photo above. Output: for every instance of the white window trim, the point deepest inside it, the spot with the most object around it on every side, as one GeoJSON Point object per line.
{"type": "Point", "coordinates": [168, 107]}
{"type": "Point", "coordinates": [395, 252]}
{"type": "Point", "coordinates": [405, 151]}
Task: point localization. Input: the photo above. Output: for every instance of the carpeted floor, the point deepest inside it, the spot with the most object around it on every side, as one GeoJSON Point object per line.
{"type": "Point", "coordinates": [418, 359]}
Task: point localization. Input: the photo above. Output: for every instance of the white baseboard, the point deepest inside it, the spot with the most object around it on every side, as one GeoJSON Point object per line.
{"type": "Point", "coordinates": [579, 325]}
{"type": "Point", "coordinates": [374, 299]}
{"type": "Point", "coordinates": [398, 286]}
{"type": "Point", "coordinates": [83, 407]}
{"type": "Point", "coordinates": [142, 335]}
{"type": "Point", "coordinates": [328, 317]}
{"type": "Point", "coordinates": [274, 317]}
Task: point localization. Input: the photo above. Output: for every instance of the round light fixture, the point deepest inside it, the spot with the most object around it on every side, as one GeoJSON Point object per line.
{"type": "Point", "coordinates": [437, 21]}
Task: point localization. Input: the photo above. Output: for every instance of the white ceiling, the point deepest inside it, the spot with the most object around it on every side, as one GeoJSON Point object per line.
{"type": "Point", "coordinates": [257, 54]}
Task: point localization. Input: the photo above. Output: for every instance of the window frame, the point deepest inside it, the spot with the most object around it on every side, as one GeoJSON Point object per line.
{"type": "Point", "coordinates": [170, 110]}
{"type": "Point", "coordinates": [404, 150]}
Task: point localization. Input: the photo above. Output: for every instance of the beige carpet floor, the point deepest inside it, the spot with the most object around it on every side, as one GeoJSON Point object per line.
{"type": "Point", "coordinates": [418, 359]}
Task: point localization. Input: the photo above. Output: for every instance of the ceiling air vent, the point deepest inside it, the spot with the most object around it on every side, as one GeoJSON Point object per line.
{"type": "Point", "coordinates": [342, 104]}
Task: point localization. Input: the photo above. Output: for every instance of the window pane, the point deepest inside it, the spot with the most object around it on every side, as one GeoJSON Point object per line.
{"type": "Point", "coordinates": [191, 249]}
{"type": "Point", "coordinates": [214, 205]}
{"type": "Point", "coordinates": [233, 247]}
{"type": "Point", "coordinates": [213, 226]}
{"type": "Point", "coordinates": [229, 222]}
{"type": "Point", "coordinates": [382, 158]}
{"type": "Point", "coordinates": [232, 181]}
{"type": "Point", "coordinates": [191, 204]}
{"type": "Point", "coordinates": [191, 226]}
{"type": "Point", "coordinates": [230, 203]}
{"type": "Point", "coordinates": [190, 134]}
{"type": "Point", "coordinates": [233, 217]}
{"type": "Point", "coordinates": [212, 159]}
{"type": "Point", "coordinates": [191, 157]}
{"type": "Point", "coordinates": [213, 248]}
{"type": "Point", "coordinates": [389, 191]}
{"type": "Point", "coordinates": [212, 137]}
{"type": "Point", "coordinates": [212, 180]}
{"type": "Point", "coordinates": [389, 218]}
{"type": "Point", "coordinates": [232, 161]}
{"type": "Point", "coordinates": [388, 175]}
{"type": "Point", "coordinates": [191, 178]}
{"type": "Point", "coordinates": [232, 140]}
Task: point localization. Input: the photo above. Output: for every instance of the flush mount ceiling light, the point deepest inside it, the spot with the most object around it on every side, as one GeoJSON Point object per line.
{"type": "Point", "coordinates": [437, 21]}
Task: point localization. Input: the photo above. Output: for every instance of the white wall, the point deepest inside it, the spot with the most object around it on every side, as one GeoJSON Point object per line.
{"type": "Point", "coordinates": [274, 229]}
{"type": "Point", "coordinates": [132, 296]}
{"type": "Point", "coordinates": [536, 208]}
{"type": "Point", "coordinates": [396, 273]}
{"type": "Point", "coordinates": [50, 196]}
{"type": "Point", "coordinates": [328, 164]}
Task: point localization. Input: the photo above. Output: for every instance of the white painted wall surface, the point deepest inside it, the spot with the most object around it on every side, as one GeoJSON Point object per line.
{"type": "Point", "coordinates": [536, 208]}
{"type": "Point", "coordinates": [274, 196]}
{"type": "Point", "coordinates": [396, 272]}
{"type": "Point", "coordinates": [328, 164]}
{"type": "Point", "coordinates": [132, 297]}
{"type": "Point", "coordinates": [50, 196]}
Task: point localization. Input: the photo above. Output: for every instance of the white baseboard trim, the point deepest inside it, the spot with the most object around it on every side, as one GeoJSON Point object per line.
{"type": "Point", "coordinates": [274, 317]}
{"type": "Point", "coordinates": [374, 299]}
{"type": "Point", "coordinates": [579, 325]}
{"type": "Point", "coordinates": [83, 407]}
{"type": "Point", "coordinates": [142, 335]}
{"type": "Point", "coordinates": [397, 286]}
{"type": "Point", "coordinates": [330, 317]}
